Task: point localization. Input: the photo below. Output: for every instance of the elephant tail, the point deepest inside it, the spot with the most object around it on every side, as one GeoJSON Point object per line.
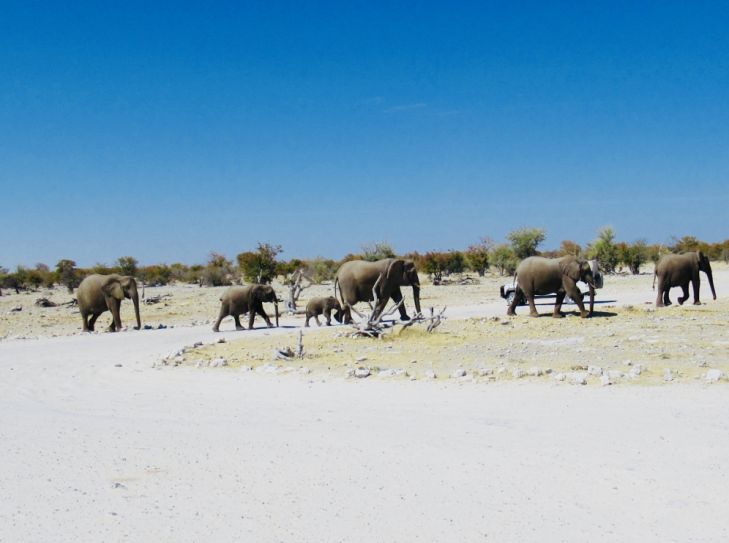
{"type": "Point", "coordinates": [654, 279]}
{"type": "Point", "coordinates": [336, 282]}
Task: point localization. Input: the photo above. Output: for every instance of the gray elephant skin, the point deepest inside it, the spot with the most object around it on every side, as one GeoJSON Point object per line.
{"type": "Point", "coordinates": [236, 301]}
{"type": "Point", "coordinates": [98, 293]}
{"type": "Point", "coordinates": [679, 271]}
{"type": "Point", "coordinates": [537, 275]}
{"type": "Point", "coordinates": [323, 306]}
{"type": "Point", "coordinates": [356, 279]}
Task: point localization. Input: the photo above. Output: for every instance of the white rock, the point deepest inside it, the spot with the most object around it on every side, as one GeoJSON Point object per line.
{"type": "Point", "coordinates": [667, 375]}
{"type": "Point", "coordinates": [218, 363]}
{"type": "Point", "coordinates": [361, 358]}
{"type": "Point", "coordinates": [361, 373]}
{"type": "Point", "coordinates": [518, 373]}
{"type": "Point", "coordinates": [460, 372]}
{"type": "Point", "coordinates": [386, 373]}
{"type": "Point", "coordinates": [197, 344]}
{"type": "Point", "coordinates": [594, 370]}
{"type": "Point", "coordinates": [714, 375]}
{"type": "Point", "coordinates": [535, 372]}
{"type": "Point", "coordinates": [430, 374]}
{"type": "Point", "coordinates": [305, 371]}
{"type": "Point", "coordinates": [559, 376]}
{"type": "Point", "coordinates": [246, 368]}
{"type": "Point", "coordinates": [483, 371]}
{"type": "Point", "coordinates": [636, 370]}
{"type": "Point", "coordinates": [614, 375]}
{"type": "Point", "coordinates": [501, 371]}
{"type": "Point", "coordinates": [199, 363]}
{"type": "Point", "coordinates": [605, 380]}
{"type": "Point", "coordinates": [577, 377]}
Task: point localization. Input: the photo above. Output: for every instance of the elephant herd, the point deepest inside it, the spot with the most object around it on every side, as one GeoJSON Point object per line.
{"type": "Point", "coordinates": [361, 281]}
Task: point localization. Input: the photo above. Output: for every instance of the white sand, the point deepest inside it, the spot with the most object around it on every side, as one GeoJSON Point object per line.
{"type": "Point", "coordinates": [94, 452]}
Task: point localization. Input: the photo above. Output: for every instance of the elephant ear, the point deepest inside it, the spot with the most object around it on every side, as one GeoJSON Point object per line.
{"type": "Point", "coordinates": [113, 289]}
{"type": "Point", "coordinates": [395, 270]}
{"type": "Point", "coordinates": [570, 268]}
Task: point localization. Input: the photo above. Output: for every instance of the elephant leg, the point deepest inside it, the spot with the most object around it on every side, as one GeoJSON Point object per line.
{"type": "Point", "coordinates": [92, 321]}
{"type": "Point", "coordinates": [685, 295]}
{"type": "Point", "coordinates": [223, 313]}
{"type": "Point", "coordinates": [575, 293]}
{"type": "Point", "coordinates": [696, 284]}
{"type": "Point", "coordinates": [396, 297]}
{"type": "Point", "coordinates": [557, 314]}
{"type": "Point", "coordinates": [316, 318]}
{"type": "Point", "coordinates": [84, 320]}
{"type": "Point", "coordinates": [666, 297]}
{"type": "Point", "coordinates": [328, 315]}
{"type": "Point", "coordinates": [347, 314]}
{"type": "Point", "coordinates": [306, 324]}
{"type": "Point", "coordinates": [238, 325]}
{"type": "Point", "coordinates": [660, 295]}
{"type": "Point", "coordinates": [116, 319]}
{"type": "Point", "coordinates": [532, 306]}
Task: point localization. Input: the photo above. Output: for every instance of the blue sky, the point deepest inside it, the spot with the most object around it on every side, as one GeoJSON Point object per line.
{"type": "Point", "coordinates": [165, 131]}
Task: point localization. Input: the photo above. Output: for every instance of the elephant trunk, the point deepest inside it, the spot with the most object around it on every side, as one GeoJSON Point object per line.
{"type": "Point", "coordinates": [416, 298]}
{"type": "Point", "coordinates": [710, 276]}
{"type": "Point", "coordinates": [135, 301]}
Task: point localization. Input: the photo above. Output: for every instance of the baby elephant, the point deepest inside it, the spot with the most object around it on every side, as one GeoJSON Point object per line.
{"type": "Point", "coordinates": [317, 306]}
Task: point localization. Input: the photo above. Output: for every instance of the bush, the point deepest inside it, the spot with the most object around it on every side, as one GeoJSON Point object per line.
{"type": "Point", "coordinates": [568, 247]}
{"type": "Point", "coordinates": [604, 250]}
{"type": "Point", "coordinates": [321, 269]}
{"type": "Point", "coordinates": [477, 256]}
{"type": "Point", "coordinates": [503, 257]}
{"type": "Point", "coordinates": [155, 275]}
{"type": "Point", "coordinates": [377, 251]}
{"type": "Point", "coordinates": [127, 265]}
{"type": "Point", "coordinates": [633, 256]}
{"type": "Point", "coordinates": [218, 271]}
{"type": "Point", "coordinates": [524, 241]}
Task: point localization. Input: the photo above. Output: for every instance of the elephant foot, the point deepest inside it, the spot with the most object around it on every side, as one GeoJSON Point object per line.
{"type": "Point", "coordinates": [216, 329]}
{"type": "Point", "coordinates": [239, 328]}
{"type": "Point", "coordinates": [557, 316]}
{"type": "Point", "coordinates": [269, 324]}
{"type": "Point", "coordinates": [404, 318]}
{"type": "Point", "coordinates": [697, 302]}
{"type": "Point", "coordinates": [510, 313]}
{"type": "Point", "coordinates": [584, 315]}
{"type": "Point", "coordinates": [681, 301]}
{"type": "Point", "coordinates": [534, 315]}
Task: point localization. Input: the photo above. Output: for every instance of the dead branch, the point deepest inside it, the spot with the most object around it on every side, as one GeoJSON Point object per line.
{"type": "Point", "coordinates": [45, 302]}
{"type": "Point", "coordinates": [295, 287]}
{"type": "Point", "coordinates": [373, 325]}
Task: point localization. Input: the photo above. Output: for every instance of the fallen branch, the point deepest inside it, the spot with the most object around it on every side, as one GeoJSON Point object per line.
{"type": "Point", "coordinates": [372, 325]}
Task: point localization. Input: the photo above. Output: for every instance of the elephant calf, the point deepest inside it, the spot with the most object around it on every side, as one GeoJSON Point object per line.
{"type": "Point", "coordinates": [319, 306]}
{"type": "Point", "coordinates": [237, 301]}
{"type": "Point", "coordinates": [99, 293]}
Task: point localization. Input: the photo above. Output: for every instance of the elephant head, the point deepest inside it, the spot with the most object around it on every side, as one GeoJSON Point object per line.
{"type": "Point", "coordinates": [705, 266]}
{"type": "Point", "coordinates": [263, 293]}
{"type": "Point", "coordinates": [580, 270]}
{"type": "Point", "coordinates": [402, 273]}
{"type": "Point", "coordinates": [118, 288]}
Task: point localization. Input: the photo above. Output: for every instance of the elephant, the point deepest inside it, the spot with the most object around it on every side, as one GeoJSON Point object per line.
{"type": "Point", "coordinates": [236, 301]}
{"type": "Point", "coordinates": [679, 271]}
{"type": "Point", "coordinates": [98, 293]}
{"type": "Point", "coordinates": [357, 278]}
{"type": "Point", "coordinates": [325, 306]}
{"type": "Point", "coordinates": [539, 275]}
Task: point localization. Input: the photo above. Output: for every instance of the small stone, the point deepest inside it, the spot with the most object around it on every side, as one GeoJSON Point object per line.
{"type": "Point", "coordinates": [578, 378]}
{"type": "Point", "coordinates": [221, 340]}
{"type": "Point", "coordinates": [605, 380]}
{"type": "Point", "coordinates": [197, 344]}
{"type": "Point", "coordinates": [304, 371]}
{"type": "Point", "coordinates": [518, 373]}
{"type": "Point", "coordinates": [594, 370]}
{"type": "Point", "coordinates": [361, 359]}
{"type": "Point", "coordinates": [460, 372]}
{"type": "Point", "coordinates": [119, 485]}
{"type": "Point", "coordinates": [430, 374]}
{"type": "Point", "coordinates": [636, 370]}
{"type": "Point", "coordinates": [413, 361]}
{"type": "Point", "coordinates": [246, 368]}
{"type": "Point", "coordinates": [483, 371]}
{"type": "Point", "coordinates": [614, 375]}
{"type": "Point", "coordinates": [200, 364]}
{"type": "Point", "coordinates": [361, 373]}
{"type": "Point", "coordinates": [161, 327]}
{"type": "Point", "coordinates": [535, 372]}
{"type": "Point", "coordinates": [559, 376]}
{"type": "Point", "coordinates": [713, 375]}
{"type": "Point", "coordinates": [218, 362]}
{"type": "Point", "coordinates": [667, 375]}
{"type": "Point", "coordinates": [501, 371]}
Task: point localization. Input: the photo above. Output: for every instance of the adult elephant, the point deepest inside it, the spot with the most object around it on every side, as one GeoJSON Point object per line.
{"type": "Point", "coordinates": [679, 271]}
{"type": "Point", "coordinates": [538, 275]}
{"type": "Point", "coordinates": [357, 278]}
{"type": "Point", "coordinates": [98, 293]}
{"type": "Point", "coordinates": [236, 301]}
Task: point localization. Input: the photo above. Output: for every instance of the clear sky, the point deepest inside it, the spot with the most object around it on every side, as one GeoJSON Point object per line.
{"type": "Point", "coordinates": [165, 131]}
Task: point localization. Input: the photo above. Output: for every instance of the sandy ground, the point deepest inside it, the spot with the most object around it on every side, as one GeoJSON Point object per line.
{"type": "Point", "coordinates": [101, 441]}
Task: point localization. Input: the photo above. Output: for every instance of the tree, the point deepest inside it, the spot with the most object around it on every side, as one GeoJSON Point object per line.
{"type": "Point", "coordinates": [503, 257]}
{"type": "Point", "coordinates": [633, 256]}
{"type": "Point", "coordinates": [524, 241]}
{"type": "Point", "coordinates": [67, 274]}
{"type": "Point", "coordinates": [259, 266]}
{"type": "Point", "coordinates": [127, 265]}
{"type": "Point", "coordinates": [686, 243]}
{"type": "Point", "coordinates": [604, 250]}
{"type": "Point", "coordinates": [377, 251]}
